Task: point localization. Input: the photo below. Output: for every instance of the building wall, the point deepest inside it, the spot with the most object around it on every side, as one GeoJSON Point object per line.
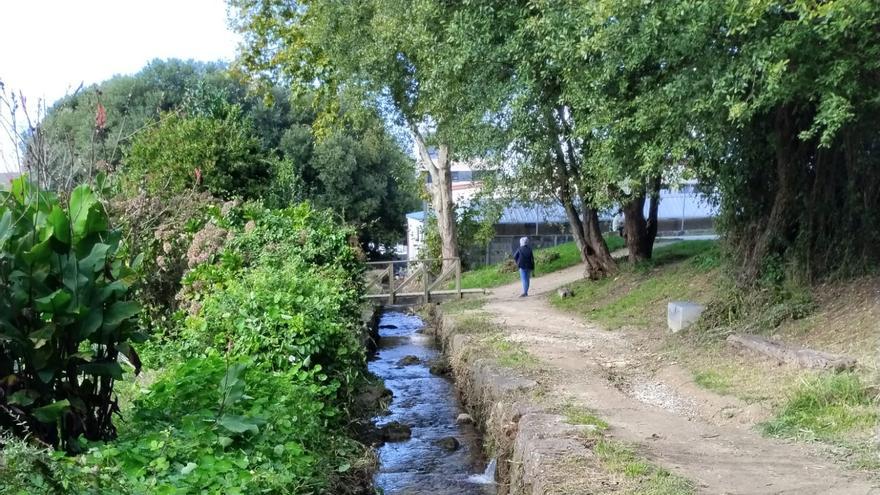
{"type": "Point", "coordinates": [415, 237]}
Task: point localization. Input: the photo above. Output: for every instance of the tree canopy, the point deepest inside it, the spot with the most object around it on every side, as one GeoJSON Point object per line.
{"type": "Point", "coordinates": [772, 105]}
{"type": "Point", "coordinates": [190, 126]}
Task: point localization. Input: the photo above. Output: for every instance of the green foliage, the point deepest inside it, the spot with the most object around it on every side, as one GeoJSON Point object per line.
{"type": "Point", "coordinates": [826, 407]}
{"type": "Point", "coordinates": [220, 155]}
{"type": "Point", "coordinates": [73, 149]}
{"type": "Point", "coordinates": [211, 427]}
{"type": "Point", "coordinates": [66, 315]}
{"type": "Point", "coordinates": [474, 226]}
{"type": "Point", "coordinates": [639, 295]}
{"type": "Point", "coordinates": [365, 177]}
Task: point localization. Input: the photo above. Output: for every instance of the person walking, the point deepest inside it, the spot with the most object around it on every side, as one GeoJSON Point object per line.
{"type": "Point", "coordinates": [525, 260]}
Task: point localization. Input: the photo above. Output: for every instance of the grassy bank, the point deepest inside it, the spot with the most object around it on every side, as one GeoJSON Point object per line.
{"type": "Point", "coordinates": [806, 405]}
{"type": "Point", "coordinates": [638, 294]}
{"type": "Point", "coordinates": [547, 260]}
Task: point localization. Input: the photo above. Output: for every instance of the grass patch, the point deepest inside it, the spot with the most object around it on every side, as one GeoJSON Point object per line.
{"type": "Point", "coordinates": [457, 306]}
{"type": "Point", "coordinates": [475, 324]}
{"type": "Point", "coordinates": [576, 415]}
{"type": "Point", "coordinates": [648, 479]}
{"type": "Point", "coordinates": [712, 380]}
{"type": "Point", "coordinates": [510, 354]}
{"type": "Point", "coordinates": [829, 408]}
{"type": "Point", "coordinates": [568, 255]}
{"type": "Point", "coordinates": [637, 296]}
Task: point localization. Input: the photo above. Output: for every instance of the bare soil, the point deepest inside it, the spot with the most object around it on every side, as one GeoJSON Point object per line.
{"type": "Point", "coordinates": [632, 381]}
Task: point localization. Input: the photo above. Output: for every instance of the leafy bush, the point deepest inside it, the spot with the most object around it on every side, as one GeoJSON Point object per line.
{"type": "Point", "coordinates": [210, 426]}
{"type": "Point", "coordinates": [219, 154]}
{"type": "Point", "coordinates": [546, 256]}
{"type": "Point", "coordinates": [284, 315]}
{"type": "Point", "coordinates": [65, 315]}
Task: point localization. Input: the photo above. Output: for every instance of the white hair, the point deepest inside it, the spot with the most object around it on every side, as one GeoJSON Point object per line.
{"type": "Point", "coordinates": [523, 241]}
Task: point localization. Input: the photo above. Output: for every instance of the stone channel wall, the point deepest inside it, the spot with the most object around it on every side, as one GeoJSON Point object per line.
{"type": "Point", "coordinates": [532, 446]}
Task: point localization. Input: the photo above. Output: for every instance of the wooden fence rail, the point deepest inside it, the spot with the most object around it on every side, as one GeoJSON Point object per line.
{"type": "Point", "coordinates": [393, 281]}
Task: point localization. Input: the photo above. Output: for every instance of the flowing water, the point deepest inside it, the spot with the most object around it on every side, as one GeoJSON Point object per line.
{"type": "Point", "coordinates": [429, 405]}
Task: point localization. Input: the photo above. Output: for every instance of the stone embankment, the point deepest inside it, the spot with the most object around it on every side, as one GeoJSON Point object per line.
{"type": "Point", "coordinates": [533, 447]}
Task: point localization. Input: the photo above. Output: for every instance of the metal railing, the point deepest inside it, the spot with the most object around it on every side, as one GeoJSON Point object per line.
{"type": "Point", "coordinates": [394, 281]}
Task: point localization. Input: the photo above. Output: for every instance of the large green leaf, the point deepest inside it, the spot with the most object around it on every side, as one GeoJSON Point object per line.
{"type": "Point", "coordinates": [54, 302]}
{"type": "Point", "coordinates": [6, 227]}
{"type": "Point", "coordinates": [39, 252]}
{"type": "Point", "coordinates": [51, 412]}
{"type": "Point", "coordinates": [232, 385]}
{"type": "Point", "coordinates": [119, 312]}
{"type": "Point", "coordinates": [92, 321]}
{"type": "Point", "coordinates": [24, 397]}
{"type": "Point", "coordinates": [60, 224]}
{"type": "Point", "coordinates": [86, 213]}
{"type": "Point", "coordinates": [96, 259]}
{"type": "Point", "coordinates": [72, 276]}
{"type": "Point", "coordinates": [238, 424]}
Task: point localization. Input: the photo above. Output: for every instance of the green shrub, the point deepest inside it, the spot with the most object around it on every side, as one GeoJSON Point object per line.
{"type": "Point", "coordinates": [274, 435]}
{"type": "Point", "coordinates": [66, 315]}
{"type": "Point", "coordinates": [282, 316]}
{"type": "Point", "coordinates": [215, 153]}
{"type": "Point", "coordinates": [826, 408]}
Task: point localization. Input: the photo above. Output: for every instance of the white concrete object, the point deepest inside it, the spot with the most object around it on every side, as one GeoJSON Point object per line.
{"type": "Point", "coordinates": [682, 314]}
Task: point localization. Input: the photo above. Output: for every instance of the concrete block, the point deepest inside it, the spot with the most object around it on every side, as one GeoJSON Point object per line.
{"type": "Point", "coordinates": [682, 314]}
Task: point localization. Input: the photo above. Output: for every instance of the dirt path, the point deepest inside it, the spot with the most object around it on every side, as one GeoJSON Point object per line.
{"type": "Point", "coordinates": [695, 433]}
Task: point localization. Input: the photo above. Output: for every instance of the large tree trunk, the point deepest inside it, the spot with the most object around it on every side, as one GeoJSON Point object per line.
{"type": "Point", "coordinates": [635, 228]}
{"type": "Point", "coordinates": [780, 230]}
{"type": "Point", "coordinates": [598, 262]}
{"type": "Point", "coordinates": [594, 239]}
{"type": "Point", "coordinates": [640, 231]}
{"type": "Point", "coordinates": [594, 253]}
{"type": "Point", "coordinates": [441, 197]}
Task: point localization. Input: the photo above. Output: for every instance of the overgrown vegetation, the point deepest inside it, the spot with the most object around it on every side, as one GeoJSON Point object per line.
{"type": "Point", "coordinates": [66, 315]}
{"type": "Point", "coordinates": [180, 127]}
{"type": "Point", "coordinates": [252, 376]}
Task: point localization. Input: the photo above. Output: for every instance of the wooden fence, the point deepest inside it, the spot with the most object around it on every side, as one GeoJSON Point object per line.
{"type": "Point", "coordinates": [395, 282]}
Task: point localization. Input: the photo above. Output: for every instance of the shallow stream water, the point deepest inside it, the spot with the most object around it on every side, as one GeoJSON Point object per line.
{"type": "Point", "coordinates": [429, 405]}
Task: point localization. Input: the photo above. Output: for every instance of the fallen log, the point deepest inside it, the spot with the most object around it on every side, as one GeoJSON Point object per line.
{"type": "Point", "coordinates": [795, 355]}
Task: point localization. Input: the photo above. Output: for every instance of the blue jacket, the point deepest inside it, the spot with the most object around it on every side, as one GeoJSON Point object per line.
{"type": "Point", "coordinates": [524, 258]}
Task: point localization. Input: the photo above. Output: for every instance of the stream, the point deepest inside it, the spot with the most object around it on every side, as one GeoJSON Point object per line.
{"type": "Point", "coordinates": [429, 405]}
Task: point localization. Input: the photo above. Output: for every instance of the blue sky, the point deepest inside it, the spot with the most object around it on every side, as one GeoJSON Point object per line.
{"type": "Point", "coordinates": [49, 47]}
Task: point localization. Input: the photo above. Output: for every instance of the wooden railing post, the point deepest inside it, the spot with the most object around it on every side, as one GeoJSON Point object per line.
{"type": "Point", "coordinates": [458, 277]}
{"type": "Point", "coordinates": [425, 279]}
{"type": "Point", "coordinates": [391, 283]}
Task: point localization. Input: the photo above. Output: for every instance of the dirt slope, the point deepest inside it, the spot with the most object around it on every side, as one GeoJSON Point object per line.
{"type": "Point", "coordinates": [688, 430]}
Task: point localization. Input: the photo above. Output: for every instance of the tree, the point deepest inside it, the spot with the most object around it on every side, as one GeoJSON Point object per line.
{"type": "Point", "coordinates": [359, 172]}
{"type": "Point", "coordinates": [516, 80]}
{"type": "Point", "coordinates": [384, 51]}
{"type": "Point", "coordinates": [90, 130]}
